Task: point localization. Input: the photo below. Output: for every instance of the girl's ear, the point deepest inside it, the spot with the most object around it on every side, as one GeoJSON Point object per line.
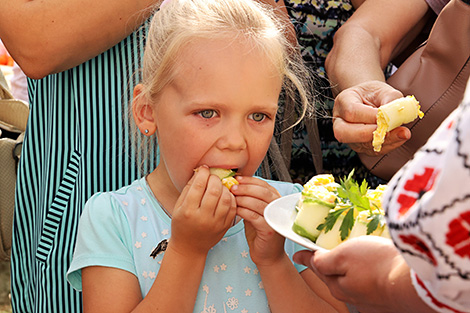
{"type": "Point", "coordinates": [142, 111]}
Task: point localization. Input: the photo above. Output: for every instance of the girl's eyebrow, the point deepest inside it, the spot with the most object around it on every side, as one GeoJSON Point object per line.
{"type": "Point", "coordinates": [267, 106]}
{"type": "Point", "coordinates": [256, 106]}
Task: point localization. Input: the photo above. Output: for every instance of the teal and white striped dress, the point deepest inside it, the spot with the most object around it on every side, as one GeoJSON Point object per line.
{"type": "Point", "coordinates": [79, 141]}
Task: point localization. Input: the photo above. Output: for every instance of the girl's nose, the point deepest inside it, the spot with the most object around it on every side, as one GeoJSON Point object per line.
{"type": "Point", "coordinates": [232, 137]}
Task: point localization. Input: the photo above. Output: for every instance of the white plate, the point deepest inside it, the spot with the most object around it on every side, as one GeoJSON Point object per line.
{"type": "Point", "coordinates": [280, 215]}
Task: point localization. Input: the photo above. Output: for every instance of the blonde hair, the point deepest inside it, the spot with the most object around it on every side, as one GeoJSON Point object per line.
{"type": "Point", "coordinates": [179, 22]}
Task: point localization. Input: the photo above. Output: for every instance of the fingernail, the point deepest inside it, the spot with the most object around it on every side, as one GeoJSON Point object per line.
{"type": "Point", "coordinates": [404, 136]}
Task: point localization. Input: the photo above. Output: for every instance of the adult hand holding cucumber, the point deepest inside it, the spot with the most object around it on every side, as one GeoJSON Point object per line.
{"type": "Point", "coordinates": [355, 117]}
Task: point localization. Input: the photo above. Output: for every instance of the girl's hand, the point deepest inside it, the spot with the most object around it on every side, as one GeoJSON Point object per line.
{"type": "Point", "coordinates": [202, 215]}
{"type": "Point", "coordinates": [253, 195]}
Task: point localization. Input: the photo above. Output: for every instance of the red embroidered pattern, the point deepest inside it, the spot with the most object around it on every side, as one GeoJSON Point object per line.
{"type": "Point", "coordinates": [419, 184]}
{"type": "Point", "coordinates": [418, 245]}
{"type": "Point", "coordinates": [458, 236]}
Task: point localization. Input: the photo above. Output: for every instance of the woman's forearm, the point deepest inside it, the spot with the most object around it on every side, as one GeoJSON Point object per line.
{"type": "Point", "coordinates": [348, 63]}
{"type": "Point", "coordinates": [375, 34]}
{"type": "Point", "coordinates": [48, 36]}
{"type": "Point", "coordinates": [399, 286]}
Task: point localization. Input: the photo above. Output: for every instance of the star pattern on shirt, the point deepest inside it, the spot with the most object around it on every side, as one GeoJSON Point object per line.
{"type": "Point", "coordinates": [255, 271]}
{"type": "Point", "coordinates": [248, 292]}
{"type": "Point", "coordinates": [145, 274]}
{"type": "Point", "coordinates": [244, 311]}
{"type": "Point", "coordinates": [229, 289]}
{"type": "Point", "coordinates": [224, 239]}
{"type": "Point", "coordinates": [152, 275]}
{"type": "Point", "coordinates": [205, 288]}
{"type": "Point", "coordinates": [143, 201]}
{"type": "Point", "coordinates": [216, 268]}
{"type": "Point", "coordinates": [125, 203]}
{"type": "Point", "coordinates": [138, 244]}
{"type": "Point", "coordinates": [139, 188]}
{"type": "Point", "coordinates": [247, 270]}
{"type": "Point", "coordinates": [165, 232]}
{"type": "Point", "coordinates": [144, 218]}
{"type": "Point", "coordinates": [244, 254]}
{"type": "Point", "coordinates": [223, 267]}
{"type": "Point", "coordinates": [144, 234]}
{"type": "Point", "coordinates": [260, 285]}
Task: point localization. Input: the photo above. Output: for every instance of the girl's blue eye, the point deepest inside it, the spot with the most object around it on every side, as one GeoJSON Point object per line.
{"type": "Point", "coordinates": [207, 113]}
{"type": "Point", "coordinates": [258, 117]}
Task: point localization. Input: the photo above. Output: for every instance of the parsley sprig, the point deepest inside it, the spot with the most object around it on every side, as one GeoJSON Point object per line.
{"type": "Point", "coordinates": [351, 197]}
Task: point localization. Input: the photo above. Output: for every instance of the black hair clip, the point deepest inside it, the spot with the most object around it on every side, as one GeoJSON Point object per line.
{"type": "Point", "coordinates": [161, 247]}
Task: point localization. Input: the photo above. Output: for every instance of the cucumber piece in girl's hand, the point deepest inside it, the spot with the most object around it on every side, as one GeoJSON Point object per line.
{"type": "Point", "coordinates": [225, 175]}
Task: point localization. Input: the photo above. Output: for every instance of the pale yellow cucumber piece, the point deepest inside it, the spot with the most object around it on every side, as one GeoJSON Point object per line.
{"type": "Point", "coordinates": [225, 175]}
{"type": "Point", "coordinates": [221, 172]}
{"type": "Point", "coordinates": [311, 214]}
{"type": "Point", "coordinates": [319, 193]}
{"type": "Point", "coordinates": [332, 238]}
{"type": "Point", "coordinates": [394, 114]}
{"type": "Point", "coordinates": [360, 226]}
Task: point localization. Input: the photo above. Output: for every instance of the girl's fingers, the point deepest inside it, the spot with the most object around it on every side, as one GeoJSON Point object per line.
{"type": "Point", "coordinates": [197, 187]}
{"type": "Point", "coordinates": [253, 217]}
{"type": "Point", "coordinates": [212, 196]}
{"type": "Point", "coordinates": [184, 192]}
{"type": "Point", "coordinates": [250, 180]}
{"type": "Point", "coordinates": [254, 204]}
{"type": "Point", "coordinates": [255, 188]}
{"type": "Point", "coordinates": [227, 207]}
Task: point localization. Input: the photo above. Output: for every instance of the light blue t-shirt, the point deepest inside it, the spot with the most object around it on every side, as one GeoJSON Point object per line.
{"type": "Point", "coordinates": [120, 229]}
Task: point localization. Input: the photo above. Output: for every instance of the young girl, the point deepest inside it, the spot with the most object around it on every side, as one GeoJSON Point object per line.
{"type": "Point", "coordinates": [173, 240]}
